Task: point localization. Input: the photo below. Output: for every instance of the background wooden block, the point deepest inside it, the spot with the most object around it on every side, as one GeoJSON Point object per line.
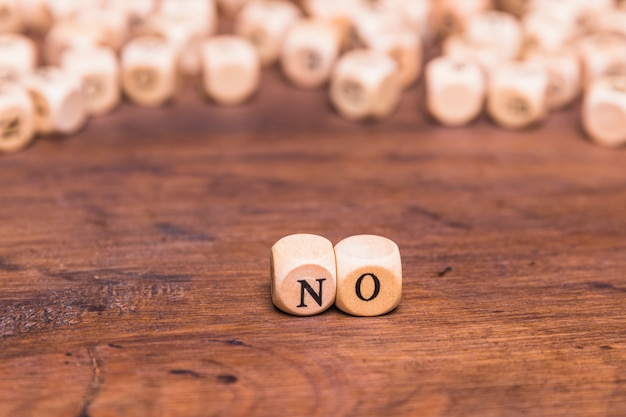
{"type": "Point", "coordinates": [114, 25]}
{"type": "Point", "coordinates": [365, 84]}
{"type": "Point", "coordinates": [66, 34]}
{"type": "Point", "coordinates": [309, 52]}
{"type": "Point", "coordinates": [18, 55]}
{"type": "Point", "coordinates": [183, 34]}
{"type": "Point", "coordinates": [231, 69]}
{"type": "Point", "coordinates": [200, 14]}
{"type": "Point", "coordinates": [265, 23]}
{"type": "Point", "coordinates": [149, 71]}
{"type": "Point", "coordinates": [564, 74]}
{"type": "Point", "coordinates": [498, 30]}
{"type": "Point", "coordinates": [405, 47]}
{"type": "Point", "coordinates": [303, 274]}
{"type": "Point", "coordinates": [604, 111]}
{"type": "Point", "coordinates": [516, 95]}
{"type": "Point", "coordinates": [450, 16]}
{"type": "Point", "coordinates": [230, 8]}
{"type": "Point", "coordinates": [11, 20]}
{"type": "Point", "coordinates": [339, 13]}
{"type": "Point", "coordinates": [602, 54]}
{"type": "Point", "coordinates": [369, 275]}
{"type": "Point", "coordinates": [57, 99]}
{"type": "Point", "coordinates": [17, 118]}
{"type": "Point", "coordinates": [98, 70]}
{"type": "Point", "coordinates": [546, 32]}
{"type": "Point", "coordinates": [35, 15]}
{"type": "Point", "coordinates": [458, 47]}
{"type": "Point", "coordinates": [455, 90]}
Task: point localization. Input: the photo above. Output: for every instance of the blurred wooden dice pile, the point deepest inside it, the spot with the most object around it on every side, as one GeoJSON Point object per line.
{"type": "Point", "coordinates": [62, 61]}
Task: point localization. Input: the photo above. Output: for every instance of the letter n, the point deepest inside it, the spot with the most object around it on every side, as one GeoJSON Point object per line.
{"type": "Point", "coordinates": [304, 286]}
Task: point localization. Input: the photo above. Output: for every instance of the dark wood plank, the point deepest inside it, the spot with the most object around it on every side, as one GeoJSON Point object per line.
{"type": "Point", "coordinates": [134, 265]}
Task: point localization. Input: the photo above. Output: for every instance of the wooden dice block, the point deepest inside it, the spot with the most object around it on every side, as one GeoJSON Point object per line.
{"type": "Point", "coordinates": [564, 13]}
{"type": "Point", "coordinates": [303, 274]}
{"type": "Point", "coordinates": [604, 111]}
{"type": "Point", "coordinates": [338, 13]}
{"type": "Point", "coordinates": [265, 23]}
{"type": "Point", "coordinates": [112, 24]}
{"type": "Point", "coordinates": [613, 21]}
{"type": "Point", "coordinates": [590, 12]}
{"type": "Point", "coordinates": [309, 52]}
{"type": "Point", "coordinates": [230, 8]}
{"type": "Point", "coordinates": [369, 275]}
{"type": "Point", "coordinates": [201, 14]}
{"type": "Point", "coordinates": [183, 34]}
{"type": "Point", "coordinates": [515, 7]}
{"type": "Point", "coordinates": [371, 21]}
{"type": "Point", "coordinates": [68, 34]}
{"type": "Point", "coordinates": [545, 32]}
{"type": "Point", "coordinates": [405, 47]}
{"type": "Point", "coordinates": [602, 54]}
{"type": "Point", "coordinates": [564, 74]}
{"type": "Point", "coordinates": [36, 15]}
{"type": "Point", "coordinates": [455, 90]}
{"type": "Point", "coordinates": [231, 69]}
{"type": "Point", "coordinates": [459, 48]}
{"type": "Point", "coordinates": [98, 70]}
{"type": "Point", "coordinates": [57, 100]}
{"type": "Point", "coordinates": [17, 118]}
{"type": "Point", "coordinates": [497, 30]}
{"type": "Point", "coordinates": [148, 68]}
{"type": "Point", "coordinates": [365, 84]}
{"type": "Point", "coordinates": [450, 16]}
{"type": "Point", "coordinates": [64, 10]}
{"type": "Point", "coordinates": [415, 14]}
{"type": "Point", "coordinates": [135, 12]}
{"type": "Point", "coordinates": [18, 56]}
{"type": "Point", "coordinates": [516, 95]}
{"type": "Point", "coordinates": [11, 20]}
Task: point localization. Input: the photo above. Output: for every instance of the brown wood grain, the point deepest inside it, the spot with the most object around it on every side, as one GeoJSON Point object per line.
{"type": "Point", "coordinates": [134, 270]}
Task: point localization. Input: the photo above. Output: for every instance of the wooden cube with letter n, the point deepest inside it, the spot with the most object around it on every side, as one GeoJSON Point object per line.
{"type": "Point", "coordinates": [303, 274]}
{"type": "Point", "coordinates": [369, 275]}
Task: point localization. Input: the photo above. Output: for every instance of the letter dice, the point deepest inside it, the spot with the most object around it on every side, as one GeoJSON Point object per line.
{"type": "Point", "coordinates": [67, 34]}
{"type": "Point", "coordinates": [455, 90]}
{"type": "Point", "coordinates": [564, 74]}
{"type": "Point", "coordinates": [18, 55]}
{"type": "Point", "coordinates": [201, 14]}
{"type": "Point", "coordinates": [231, 69]}
{"type": "Point", "coordinates": [516, 95]}
{"type": "Point", "coordinates": [10, 16]}
{"type": "Point", "coordinates": [265, 24]}
{"type": "Point", "coordinates": [602, 54]}
{"type": "Point", "coordinates": [405, 47]}
{"type": "Point", "coordinates": [450, 16]}
{"type": "Point", "coordinates": [604, 111]}
{"type": "Point", "coordinates": [303, 274]}
{"type": "Point", "coordinates": [57, 99]}
{"type": "Point", "coordinates": [148, 66]}
{"type": "Point", "coordinates": [230, 8]}
{"type": "Point", "coordinates": [17, 118]}
{"type": "Point", "coordinates": [309, 52]}
{"type": "Point", "coordinates": [369, 275]}
{"type": "Point", "coordinates": [497, 30]}
{"type": "Point", "coordinates": [365, 84]}
{"type": "Point", "coordinates": [98, 70]}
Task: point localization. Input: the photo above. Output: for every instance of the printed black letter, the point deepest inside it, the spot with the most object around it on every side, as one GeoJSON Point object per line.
{"type": "Point", "coordinates": [305, 286]}
{"type": "Point", "coordinates": [376, 287]}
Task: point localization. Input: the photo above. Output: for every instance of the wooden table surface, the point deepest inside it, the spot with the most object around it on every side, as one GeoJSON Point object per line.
{"type": "Point", "coordinates": [134, 265]}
